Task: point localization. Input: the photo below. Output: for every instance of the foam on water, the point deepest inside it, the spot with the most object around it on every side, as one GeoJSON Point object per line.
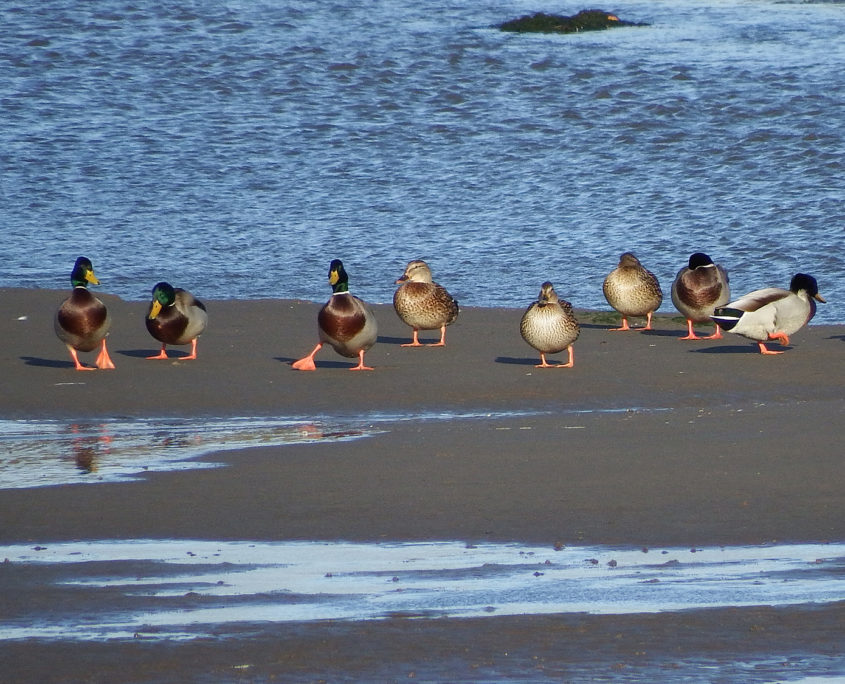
{"type": "Point", "coordinates": [175, 589]}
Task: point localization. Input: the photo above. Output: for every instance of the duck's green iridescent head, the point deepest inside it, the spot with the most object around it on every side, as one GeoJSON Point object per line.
{"type": "Point", "coordinates": [83, 273]}
{"type": "Point", "coordinates": [163, 295]}
{"type": "Point", "coordinates": [802, 281]}
{"type": "Point", "coordinates": [337, 276]}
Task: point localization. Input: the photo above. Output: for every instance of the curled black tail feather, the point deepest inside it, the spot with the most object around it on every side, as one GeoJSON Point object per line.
{"type": "Point", "coordinates": [727, 317]}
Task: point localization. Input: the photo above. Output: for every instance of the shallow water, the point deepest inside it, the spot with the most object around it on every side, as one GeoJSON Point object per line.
{"type": "Point", "coordinates": [177, 589]}
{"type": "Point", "coordinates": [234, 148]}
{"type": "Point", "coordinates": [40, 453]}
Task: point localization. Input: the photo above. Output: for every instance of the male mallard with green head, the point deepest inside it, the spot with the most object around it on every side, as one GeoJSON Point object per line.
{"type": "Point", "coordinates": [175, 316]}
{"type": "Point", "coordinates": [345, 322]}
{"type": "Point", "coordinates": [772, 313]}
{"type": "Point", "coordinates": [82, 321]}
{"type": "Point", "coordinates": [423, 304]}
{"type": "Point", "coordinates": [698, 288]}
{"type": "Point", "coordinates": [549, 325]}
{"type": "Point", "coordinates": [632, 290]}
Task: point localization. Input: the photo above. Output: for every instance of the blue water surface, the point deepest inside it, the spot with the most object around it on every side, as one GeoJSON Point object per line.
{"type": "Point", "coordinates": [235, 148]}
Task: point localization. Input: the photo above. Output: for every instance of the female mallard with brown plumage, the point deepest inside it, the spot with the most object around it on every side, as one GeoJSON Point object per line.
{"type": "Point", "coordinates": [772, 313]}
{"type": "Point", "coordinates": [549, 325]}
{"type": "Point", "coordinates": [697, 290]}
{"type": "Point", "coordinates": [177, 317]}
{"type": "Point", "coordinates": [423, 304]}
{"type": "Point", "coordinates": [345, 322]}
{"type": "Point", "coordinates": [82, 321]}
{"type": "Point", "coordinates": [632, 290]}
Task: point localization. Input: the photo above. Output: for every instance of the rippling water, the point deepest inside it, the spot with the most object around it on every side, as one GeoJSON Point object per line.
{"type": "Point", "coordinates": [234, 148]}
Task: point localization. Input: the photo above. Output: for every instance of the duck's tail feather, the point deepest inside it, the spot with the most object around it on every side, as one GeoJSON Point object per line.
{"type": "Point", "coordinates": [727, 317]}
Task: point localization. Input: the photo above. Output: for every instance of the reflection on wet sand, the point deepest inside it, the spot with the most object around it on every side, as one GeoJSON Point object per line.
{"type": "Point", "coordinates": [44, 453]}
{"type": "Point", "coordinates": [40, 453]}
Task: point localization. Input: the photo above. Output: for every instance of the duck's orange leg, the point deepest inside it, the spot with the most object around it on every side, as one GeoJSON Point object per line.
{"type": "Point", "coordinates": [361, 365]}
{"type": "Point", "coordinates": [76, 362]}
{"type": "Point", "coordinates": [765, 350]}
{"type": "Point", "coordinates": [782, 337]}
{"type": "Point", "coordinates": [716, 335]}
{"type": "Point", "coordinates": [624, 325]}
{"type": "Point", "coordinates": [691, 333]}
{"type": "Point", "coordinates": [161, 355]}
{"type": "Point", "coordinates": [545, 364]}
{"type": "Point", "coordinates": [442, 342]}
{"type": "Point", "coordinates": [413, 343]}
{"type": "Point", "coordinates": [193, 354]}
{"type": "Point", "coordinates": [103, 359]}
{"type": "Point", "coordinates": [648, 321]}
{"type": "Point", "coordinates": [307, 363]}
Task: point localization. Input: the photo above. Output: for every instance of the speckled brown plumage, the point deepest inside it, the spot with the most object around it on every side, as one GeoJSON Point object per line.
{"type": "Point", "coordinates": [423, 304]}
{"type": "Point", "coordinates": [549, 325]}
{"type": "Point", "coordinates": [632, 290]}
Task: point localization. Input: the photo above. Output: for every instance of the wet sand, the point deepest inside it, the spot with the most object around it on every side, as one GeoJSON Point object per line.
{"type": "Point", "coordinates": [647, 441]}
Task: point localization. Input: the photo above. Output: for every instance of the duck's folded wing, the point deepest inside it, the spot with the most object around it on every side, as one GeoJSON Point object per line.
{"type": "Point", "coordinates": [754, 301]}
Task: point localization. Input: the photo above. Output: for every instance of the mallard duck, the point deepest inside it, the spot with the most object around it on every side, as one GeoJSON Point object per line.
{"type": "Point", "coordinates": [345, 322]}
{"type": "Point", "coordinates": [549, 325]}
{"type": "Point", "coordinates": [632, 290]}
{"type": "Point", "coordinates": [697, 290]}
{"type": "Point", "coordinates": [772, 313]}
{"type": "Point", "coordinates": [83, 321]}
{"type": "Point", "coordinates": [175, 316]}
{"type": "Point", "coordinates": [422, 303]}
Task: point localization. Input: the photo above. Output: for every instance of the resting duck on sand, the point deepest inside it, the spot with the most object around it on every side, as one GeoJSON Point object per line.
{"type": "Point", "coordinates": [772, 313]}
{"type": "Point", "coordinates": [549, 326]}
{"type": "Point", "coordinates": [632, 290]}
{"type": "Point", "coordinates": [175, 317]}
{"type": "Point", "coordinates": [698, 289]}
{"type": "Point", "coordinates": [423, 304]}
{"type": "Point", "coordinates": [345, 322]}
{"type": "Point", "coordinates": [82, 321]}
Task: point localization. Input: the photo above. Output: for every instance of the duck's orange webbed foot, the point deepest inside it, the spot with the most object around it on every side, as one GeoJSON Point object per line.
{"type": "Point", "coordinates": [782, 337]}
{"type": "Point", "coordinates": [76, 362]}
{"type": "Point", "coordinates": [193, 355]}
{"type": "Point", "coordinates": [361, 366]}
{"type": "Point", "coordinates": [624, 325]}
{"type": "Point", "coordinates": [307, 363]}
{"type": "Point", "coordinates": [716, 335]}
{"type": "Point", "coordinates": [690, 332]}
{"type": "Point", "coordinates": [766, 350]}
{"type": "Point", "coordinates": [442, 342]}
{"type": "Point", "coordinates": [161, 355]}
{"type": "Point", "coordinates": [104, 361]}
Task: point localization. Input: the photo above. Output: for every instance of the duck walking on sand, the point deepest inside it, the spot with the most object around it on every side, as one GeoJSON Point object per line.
{"type": "Point", "coordinates": [697, 290]}
{"type": "Point", "coordinates": [632, 290]}
{"type": "Point", "coordinates": [423, 304]}
{"type": "Point", "coordinates": [772, 313]}
{"type": "Point", "coordinates": [345, 322]}
{"type": "Point", "coordinates": [175, 316]}
{"type": "Point", "coordinates": [83, 321]}
{"type": "Point", "coordinates": [549, 325]}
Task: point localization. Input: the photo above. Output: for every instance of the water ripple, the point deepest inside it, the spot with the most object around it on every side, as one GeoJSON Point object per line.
{"type": "Point", "coordinates": [262, 128]}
